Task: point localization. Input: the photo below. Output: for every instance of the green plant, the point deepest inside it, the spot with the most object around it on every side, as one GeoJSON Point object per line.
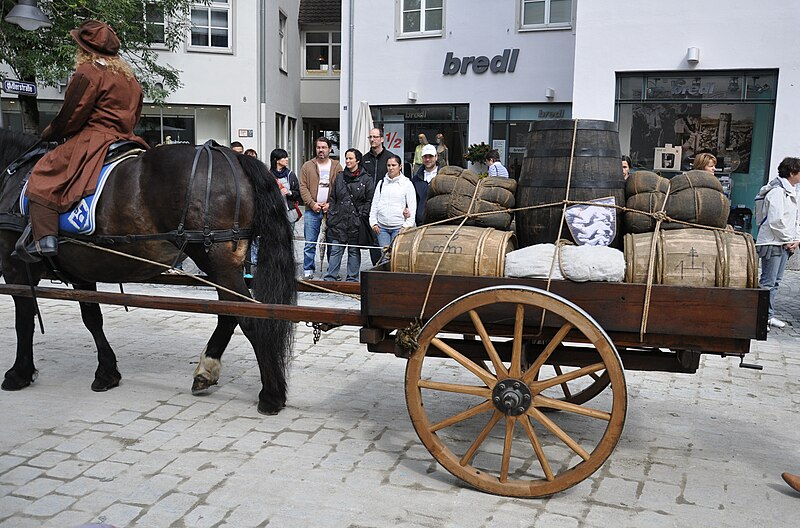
{"type": "Point", "coordinates": [476, 153]}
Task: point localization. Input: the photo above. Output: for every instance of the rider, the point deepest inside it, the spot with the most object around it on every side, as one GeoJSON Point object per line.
{"type": "Point", "coordinates": [102, 105]}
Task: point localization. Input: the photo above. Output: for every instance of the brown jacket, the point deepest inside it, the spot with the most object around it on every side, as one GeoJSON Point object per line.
{"type": "Point", "coordinates": [100, 107]}
{"type": "Point", "coordinates": [309, 180]}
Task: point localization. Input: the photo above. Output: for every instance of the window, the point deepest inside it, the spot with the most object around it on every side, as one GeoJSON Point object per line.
{"type": "Point", "coordinates": [282, 41]}
{"type": "Point", "coordinates": [280, 130]}
{"type": "Point", "coordinates": [323, 53]}
{"type": "Point", "coordinates": [420, 18]}
{"type": "Point", "coordinates": [154, 21]}
{"type": "Point", "coordinates": [211, 25]}
{"type": "Point", "coordinates": [545, 14]}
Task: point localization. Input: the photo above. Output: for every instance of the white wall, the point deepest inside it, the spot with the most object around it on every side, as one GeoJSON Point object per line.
{"type": "Point", "coordinates": [653, 35]}
{"type": "Point", "coordinates": [386, 69]}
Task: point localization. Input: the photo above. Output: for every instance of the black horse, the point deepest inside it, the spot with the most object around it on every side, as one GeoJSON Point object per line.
{"type": "Point", "coordinates": [174, 200]}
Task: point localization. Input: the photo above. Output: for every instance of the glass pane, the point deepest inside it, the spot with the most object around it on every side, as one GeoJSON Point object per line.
{"type": "Point", "coordinates": [533, 13]}
{"type": "Point", "coordinates": [219, 38]}
{"type": "Point", "coordinates": [155, 32]}
{"type": "Point", "coordinates": [630, 88]}
{"type": "Point", "coordinates": [219, 18]}
{"type": "Point", "coordinates": [336, 60]}
{"type": "Point", "coordinates": [200, 17]}
{"type": "Point", "coordinates": [409, 5]}
{"type": "Point", "coordinates": [411, 22]}
{"type": "Point", "coordinates": [316, 58]}
{"type": "Point", "coordinates": [560, 11]}
{"type": "Point", "coordinates": [430, 4]}
{"type": "Point", "coordinates": [316, 37]}
{"type": "Point", "coordinates": [337, 37]}
{"type": "Point", "coordinates": [761, 87]}
{"type": "Point", "coordinates": [499, 112]}
{"type": "Point", "coordinates": [199, 37]}
{"type": "Point", "coordinates": [154, 13]}
{"type": "Point", "coordinates": [433, 19]}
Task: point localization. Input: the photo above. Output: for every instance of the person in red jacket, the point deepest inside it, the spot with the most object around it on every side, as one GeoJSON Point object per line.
{"type": "Point", "coordinates": [102, 104]}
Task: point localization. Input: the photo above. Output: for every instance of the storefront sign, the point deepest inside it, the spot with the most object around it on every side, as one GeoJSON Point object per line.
{"type": "Point", "coordinates": [552, 114]}
{"type": "Point", "coordinates": [19, 87]}
{"type": "Point", "coordinates": [506, 62]}
{"type": "Point", "coordinates": [394, 134]}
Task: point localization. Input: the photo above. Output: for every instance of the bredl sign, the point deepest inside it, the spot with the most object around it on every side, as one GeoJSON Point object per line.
{"type": "Point", "coordinates": [505, 62]}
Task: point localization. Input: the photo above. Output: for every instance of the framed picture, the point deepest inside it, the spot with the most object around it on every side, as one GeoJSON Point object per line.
{"type": "Point", "coordinates": [667, 158]}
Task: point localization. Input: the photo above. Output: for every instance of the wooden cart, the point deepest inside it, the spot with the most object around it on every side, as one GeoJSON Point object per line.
{"type": "Point", "coordinates": [535, 399]}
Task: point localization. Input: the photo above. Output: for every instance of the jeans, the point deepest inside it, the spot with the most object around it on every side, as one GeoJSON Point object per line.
{"type": "Point", "coordinates": [772, 267]}
{"type": "Point", "coordinates": [386, 236]}
{"type": "Point", "coordinates": [335, 262]}
{"type": "Point", "coordinates": [311, 225]}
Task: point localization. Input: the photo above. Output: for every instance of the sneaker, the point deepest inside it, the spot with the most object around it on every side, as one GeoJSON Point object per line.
{"type": "Point", "coordinates": [307, 275]}
{"type": "Point", "coordinates": [777, 323]}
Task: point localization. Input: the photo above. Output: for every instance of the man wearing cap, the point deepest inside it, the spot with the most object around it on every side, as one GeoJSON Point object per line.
{"type": "Point", "coordinates": [102, 105]}
{"type": "Point", "coordinates": [422, 178]}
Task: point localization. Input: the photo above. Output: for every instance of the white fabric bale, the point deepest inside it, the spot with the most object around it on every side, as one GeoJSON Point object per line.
{"type": "Point", "coordinates": [532, 262]}
{"type": "Point", "coordinates": [593, 263]}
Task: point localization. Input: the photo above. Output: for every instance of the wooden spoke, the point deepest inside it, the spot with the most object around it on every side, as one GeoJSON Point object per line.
{"type": "Point", "coordinates": [594, 376]}
{"type": "Point", "coordinates": [455, 387]}
{"type": "Point", "coordinates": [537, 447]}
{"type": "Point", "coordinates": [467, 363]}
{"type": "Point", "coordinates": [510, 421]}
{"type": "Point", "coordinates": [564, 386]}
{"type": "Point", "coordinates": [481, 437]}
{"type": "Point", "coordinates": [464, 415]}
{"type": "Point", "coordinates": [488, 345]}
{"type": "Point", "coordinates": [551, 346]}
{"type": "Point", "coordinates": [539, 386]}
{"type": "Point", "coordinates": [556, 430]}
{"type": "Point", "coordinates": [516, 349]}
{"type": "Point", "coordinates": [544, 401]}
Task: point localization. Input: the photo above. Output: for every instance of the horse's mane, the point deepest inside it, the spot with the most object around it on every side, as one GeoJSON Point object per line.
{"type": "Point", "coordinates": [13, 145]}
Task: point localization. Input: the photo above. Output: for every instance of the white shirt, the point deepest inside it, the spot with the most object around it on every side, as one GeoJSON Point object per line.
{"type": "Point", "coordinates": [430, 175]}
{"type": "Point", "coordinates": [392, 195]}
{"type": "Point", "coordinates": [496, 169]}
{"type": "Point", "coordinates": [324, 181]}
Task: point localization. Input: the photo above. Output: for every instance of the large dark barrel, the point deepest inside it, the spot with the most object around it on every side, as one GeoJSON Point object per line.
{"type": "Point", "coordinates": [596, 173]}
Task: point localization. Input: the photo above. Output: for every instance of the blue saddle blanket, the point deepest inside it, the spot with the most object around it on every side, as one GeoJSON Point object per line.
{"type": "Point", "coordinates": [80, 220]}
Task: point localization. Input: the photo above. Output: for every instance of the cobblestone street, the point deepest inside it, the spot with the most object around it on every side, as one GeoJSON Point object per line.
{"type": "Point", "coordinates": [697, 450]}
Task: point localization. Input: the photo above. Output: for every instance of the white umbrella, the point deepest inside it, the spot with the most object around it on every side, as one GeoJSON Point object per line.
{"type": "Point", "coordinates": [362, 127]}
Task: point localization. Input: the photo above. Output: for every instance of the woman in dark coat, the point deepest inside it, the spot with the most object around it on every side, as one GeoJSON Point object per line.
{"type": "Point", "coordinates": [102, 105]}
{"type": "Point", "coordinates": [350, 202]}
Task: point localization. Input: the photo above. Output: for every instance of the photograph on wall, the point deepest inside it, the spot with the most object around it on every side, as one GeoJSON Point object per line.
{"type": "Point", "coordinates": [725, 130]}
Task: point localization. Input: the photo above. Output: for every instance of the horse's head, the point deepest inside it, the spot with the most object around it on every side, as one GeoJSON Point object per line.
{"type": "Point", "coordinates": [12, 146]}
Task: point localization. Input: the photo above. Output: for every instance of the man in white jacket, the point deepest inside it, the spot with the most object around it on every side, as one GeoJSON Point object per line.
{"type": "Point", "coordinates": [779, 231]}
{"type": "Point", "coordinates": [393, 194]}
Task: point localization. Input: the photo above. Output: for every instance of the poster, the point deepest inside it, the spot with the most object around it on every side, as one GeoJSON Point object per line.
{"type": "Point", "coordinates": [393, 134]}
{"type": "Point", "coordinates": [500, 146]}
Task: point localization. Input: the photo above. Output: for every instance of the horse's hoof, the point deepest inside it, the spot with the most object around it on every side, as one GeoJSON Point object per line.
{"type": "Point", "coordinates": [201, 384]}
{"type": "Point", "coordinates": [14, 382]}
{"type": "Point", "coordinates": [270, 409]}
{"type": "Point", "coordinates": [102, 385]}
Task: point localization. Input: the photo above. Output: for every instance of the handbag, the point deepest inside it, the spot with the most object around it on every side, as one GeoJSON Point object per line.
{"type": "Point", "coordinates": [293, 213]}
{"type": "Point", "coordinates": [366, 236]}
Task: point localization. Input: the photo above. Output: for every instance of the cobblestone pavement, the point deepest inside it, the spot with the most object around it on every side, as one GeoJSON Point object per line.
{"type": "Point", "coordinates": [697, 450]}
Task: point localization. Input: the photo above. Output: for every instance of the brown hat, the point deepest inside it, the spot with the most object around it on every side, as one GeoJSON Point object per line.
{"type": "Point", "coordinates": [96, 37]}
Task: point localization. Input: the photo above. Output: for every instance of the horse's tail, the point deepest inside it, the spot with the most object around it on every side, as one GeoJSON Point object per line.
{"type": "Point", "coordinates": [274, 278]}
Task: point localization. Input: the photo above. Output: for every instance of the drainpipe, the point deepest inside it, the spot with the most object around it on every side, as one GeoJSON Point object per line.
{"type": "Point", "coordinates": [262, 79]}
{"type": "Point", "coordinates": [350, 78]}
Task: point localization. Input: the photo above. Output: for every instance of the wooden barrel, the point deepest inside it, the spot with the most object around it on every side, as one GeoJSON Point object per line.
{"type": "Point", "coordinates": [693, 257]}
{"type": "Point", "coordinates": [596, 173]}
{"type": "Point", "coordinates": [472, 251]}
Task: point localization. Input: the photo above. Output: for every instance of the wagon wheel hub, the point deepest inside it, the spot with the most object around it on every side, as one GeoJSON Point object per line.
{"type": "Point", "coordinates": [512, 397]}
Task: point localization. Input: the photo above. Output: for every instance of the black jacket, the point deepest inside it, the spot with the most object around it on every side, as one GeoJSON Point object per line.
{"type": "Point", "coordinates": [421, 188]}
{"type": "Point", "coordinates": [344, 213]}
{"type": "Point", "coordinates": [376, 165]}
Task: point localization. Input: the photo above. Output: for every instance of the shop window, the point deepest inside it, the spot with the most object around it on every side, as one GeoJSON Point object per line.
{"type": "Point", "coordinates": [421, 18]}
{"type": "Point", "coordinates": [211, 26]}
{"type": "Point", "coordinates": [323, 53]}
{"type": "Point", "coordinates": [155, 24]}
{"type": "Point", "coordinates": [545, 14]}
{"type": "Point", "coordinates": [282, 41]}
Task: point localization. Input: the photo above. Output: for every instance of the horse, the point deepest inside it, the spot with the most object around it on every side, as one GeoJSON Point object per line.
{"type": "Point", "coordinates": [170, 202]}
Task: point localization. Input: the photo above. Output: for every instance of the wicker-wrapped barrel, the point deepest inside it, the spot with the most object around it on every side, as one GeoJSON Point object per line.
{"type": "Point", "coordinates": [596, 173]}
{"type": "Point", "coordinates": [693, 257]}
{"type": "Point", "coordinates": [472, 251]}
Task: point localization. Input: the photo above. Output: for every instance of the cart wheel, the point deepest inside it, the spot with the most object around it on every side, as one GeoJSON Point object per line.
{"type": "Point", "coordinates": [455, 417]}
{"type": "Point", "coordinates": [580, 390]}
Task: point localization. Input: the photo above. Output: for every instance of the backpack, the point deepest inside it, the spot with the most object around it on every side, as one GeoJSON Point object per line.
{"type": "Point", "coordinates": [760, 201]}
